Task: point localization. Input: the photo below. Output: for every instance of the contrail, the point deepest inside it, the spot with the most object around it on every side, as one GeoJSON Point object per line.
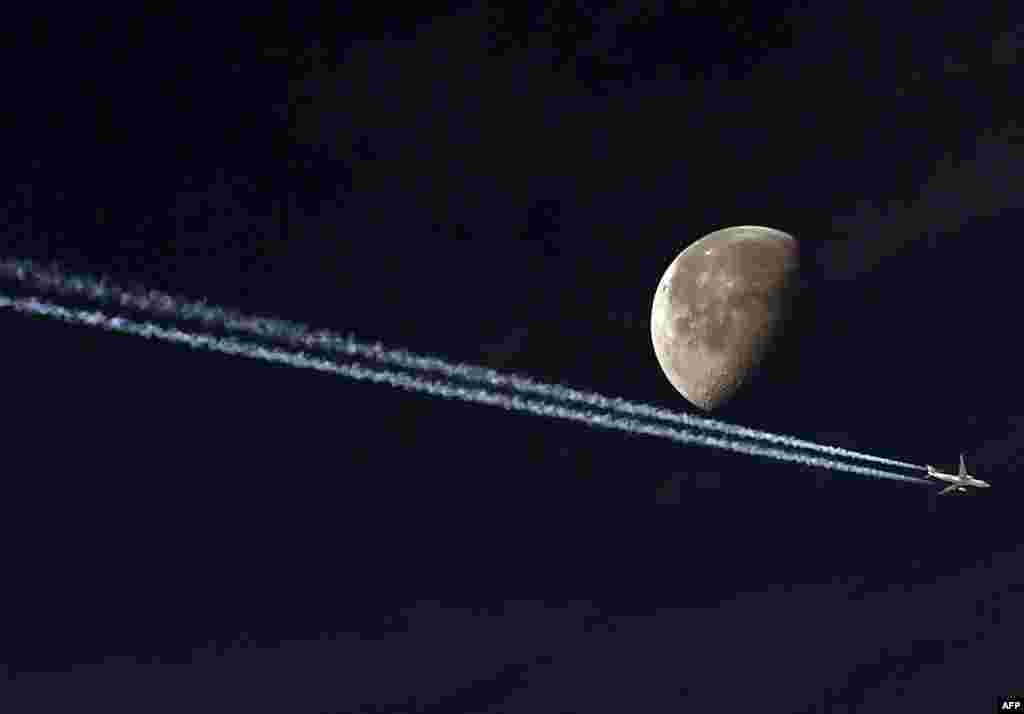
{"type": "Point", "coordinates": [300, 335]}
{"type": "Point", "coordinates": [416, 383]}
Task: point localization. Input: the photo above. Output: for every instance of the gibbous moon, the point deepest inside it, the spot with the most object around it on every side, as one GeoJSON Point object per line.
{"type": "Point", "coordinates": [720, 306]}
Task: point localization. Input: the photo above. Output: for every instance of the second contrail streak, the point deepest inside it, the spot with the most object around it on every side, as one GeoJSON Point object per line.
{"type": "Point", "coordinates": [416, 383]}
{"type": "Point", "coordinates": [299, 335]}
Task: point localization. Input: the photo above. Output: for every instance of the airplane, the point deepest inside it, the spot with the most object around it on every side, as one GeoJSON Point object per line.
{"type": "Point", "coordinates": [959, 480]}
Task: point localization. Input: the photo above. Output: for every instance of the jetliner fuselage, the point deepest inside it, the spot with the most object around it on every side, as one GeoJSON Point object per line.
{"type": "Point", "coordinates": [960, 481]}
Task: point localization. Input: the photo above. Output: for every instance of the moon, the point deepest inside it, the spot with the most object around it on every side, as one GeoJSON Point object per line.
{"type": "Point", "coordinates": [720, 307]}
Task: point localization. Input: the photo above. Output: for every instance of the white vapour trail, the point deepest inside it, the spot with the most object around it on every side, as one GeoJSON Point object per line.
{"type": "Point", "coordinates": [299, 335]}
{"type": "Point", "coordinates": [416, 383]}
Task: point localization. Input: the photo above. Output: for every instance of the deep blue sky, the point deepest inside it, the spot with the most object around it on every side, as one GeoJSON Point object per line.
{"type": "Point", "coordinates": [506, 188]}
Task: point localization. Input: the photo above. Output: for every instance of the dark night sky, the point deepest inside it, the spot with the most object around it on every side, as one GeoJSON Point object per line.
{"type": "Point", "coordinates": [200, 532]}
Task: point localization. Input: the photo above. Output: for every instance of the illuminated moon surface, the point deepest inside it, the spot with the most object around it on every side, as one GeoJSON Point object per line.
{"type": "Point", "coordinates": [719, 308]}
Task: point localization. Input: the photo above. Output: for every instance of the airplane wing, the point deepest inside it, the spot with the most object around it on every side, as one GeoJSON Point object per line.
{"type": "Point", "coordinates": [947, 489]}
{"type": "Point", "coordinates": [963, 469]}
